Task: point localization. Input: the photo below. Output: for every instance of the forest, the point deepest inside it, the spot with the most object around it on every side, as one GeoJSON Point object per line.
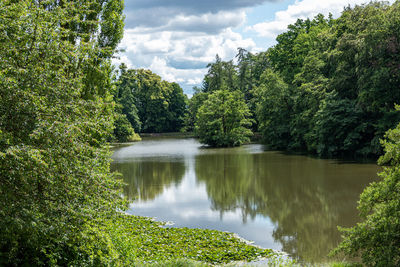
{"type": "Point", "coordinates": [328, 87]}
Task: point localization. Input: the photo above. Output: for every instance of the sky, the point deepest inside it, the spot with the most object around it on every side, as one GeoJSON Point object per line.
{"type": "Point", "coordinates": [176, 39]}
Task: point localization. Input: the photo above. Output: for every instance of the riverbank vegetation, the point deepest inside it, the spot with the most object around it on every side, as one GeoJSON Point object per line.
{"type": "Point", "coordinates": [328, 87]}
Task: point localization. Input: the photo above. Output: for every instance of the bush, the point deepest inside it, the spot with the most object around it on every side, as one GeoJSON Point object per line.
{"type": "Point", "coordinates": [123, 131]}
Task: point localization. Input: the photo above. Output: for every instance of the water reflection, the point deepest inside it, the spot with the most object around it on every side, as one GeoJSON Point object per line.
{"type": "Point", "coordinates": [147, 179]}
{"type": "Point", "coordinates": [305, 198]}
{"type": "Point", "coordinates": [287, 202]}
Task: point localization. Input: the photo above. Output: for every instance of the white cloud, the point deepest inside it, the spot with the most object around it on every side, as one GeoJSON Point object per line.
{"type": "Point", "coordinates": [180, 56]}
{"type": "Point", "coordinates": [178, 38]}
{"type": "Point", "coordinates": [194, 81]}
{"type": "Point", "coordinates": [301, 9]}
{"type": "Point", "coordinates": [208, 23]}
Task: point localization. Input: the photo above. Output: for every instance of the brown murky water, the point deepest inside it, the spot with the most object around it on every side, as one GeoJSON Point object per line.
{"type": "Point", "coordinates": [286, 202]}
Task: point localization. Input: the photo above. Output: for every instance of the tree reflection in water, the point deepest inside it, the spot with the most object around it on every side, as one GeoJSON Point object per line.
{"type": "Point", "coordinates": [147, 179]}
{"type": "Point", "coordinates": [306, 198]}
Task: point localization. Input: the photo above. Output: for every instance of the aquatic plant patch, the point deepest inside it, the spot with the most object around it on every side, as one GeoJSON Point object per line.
{"type": "Point", "coordinates": [140, 239]}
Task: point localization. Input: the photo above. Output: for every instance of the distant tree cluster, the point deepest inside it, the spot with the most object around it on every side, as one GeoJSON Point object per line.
{"type": "Point", "coordinates": [148, 104]}
{"type": "Point", "coordinates": [327, 87]}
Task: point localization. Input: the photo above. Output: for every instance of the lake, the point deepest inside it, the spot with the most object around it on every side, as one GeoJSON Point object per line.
{"type": "Point", "coordinates": [291, 203]}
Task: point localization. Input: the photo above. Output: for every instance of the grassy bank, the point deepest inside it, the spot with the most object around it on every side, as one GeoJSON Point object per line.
{"type": "Point", "coordinates": [141, 241]}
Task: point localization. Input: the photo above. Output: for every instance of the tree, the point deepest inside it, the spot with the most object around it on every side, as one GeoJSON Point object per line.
{"type": "Point", "coordinates": [213, 80]}
{"type": "Point", "coordinates": [339, 127]}
{"type": "Point", "coordinates": [151, 104]}
{"type": "Point", "coordinates": [367, 66]}
{"type": "Point", "coordinates": [55, 183]}
{"type": "Point", "coordinates": [125, 97]}
{"type": "Point", "coordinates": [177, 108]}
{"type": "Point", "coordinates": [376, 238]}
{"type": "Point", "coordinates": [195, 103]}
{"type": "Point", "coordinates": [341, 77]}
{"type": "Point", "coordinates": [123, 131]}
{"type": "Point", "coordinates": [274, 109]}
{"type": "Point", "coordinates": [222, 120]}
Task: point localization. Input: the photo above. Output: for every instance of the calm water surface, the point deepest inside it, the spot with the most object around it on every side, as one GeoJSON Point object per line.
{"type": "Point", "coordinates": [290, 203]}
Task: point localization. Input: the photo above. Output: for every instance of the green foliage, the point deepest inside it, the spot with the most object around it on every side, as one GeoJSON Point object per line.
{"type": "Point", "coordinates": [55, 110]}
{"type": "Point", "coordinates": [323, 76]}
{"type": "Point", "coordinates": [341, 83]}
{"type": "Point", "coordinates": [273, 107]}
{"type": "Point", "coordinates": [293, 46]}
{"type": "Point", "coordinates": [150, 104]}
{"type": "Point", "coordinates": [125, 98]}
{"type": "Point", "coordinates": [123, 131]}
{"type": "Point", "coordinates": [338, 127]}
{"type": "Point", "coordinates": [239, 79]}
{"type": "Point", "coordinates": [194, 105]}
{"type": "Point", "coordinates": [243, 77]}
{"type": "Point", "coordinates": [177, 109]}
{"type": "Point", "coordinates": [376, 239]}
{"type": "Point", "coordinates": [223, 121]}
{"type": "Point", "coordinates": [220, 76]}
{"type": "Point", "coordinates": [141, 240]}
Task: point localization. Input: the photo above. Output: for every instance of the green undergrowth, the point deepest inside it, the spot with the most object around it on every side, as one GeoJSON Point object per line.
{"type": "Point", "coordinates": [140, 241]}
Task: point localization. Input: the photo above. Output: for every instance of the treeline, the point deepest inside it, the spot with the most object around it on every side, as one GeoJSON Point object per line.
{"type": "Point", "coordinates": [147, 104]}
{"type": "Point", "coordinates": [328, 86]}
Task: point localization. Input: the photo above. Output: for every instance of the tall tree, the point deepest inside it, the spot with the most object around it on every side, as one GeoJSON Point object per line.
{"type": "Point", "coordinates": [124, 96]}
{"type": "Point", "coordinates": [177, 108]}
{"type": "Point", "coordinates": [194, 105]}
{"type": "Point", "coordinates": [342, 74]}
{"type": "Point", "coordinates": [214, 78]}
{"type": "Point", "coordinates": [274, 109]}
{"type": "Point", "coordinates": [55, 182]}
